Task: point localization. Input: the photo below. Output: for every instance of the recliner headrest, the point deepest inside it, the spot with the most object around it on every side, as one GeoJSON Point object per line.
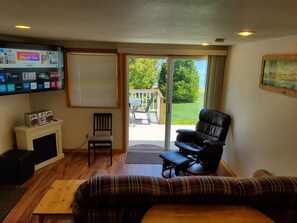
{"type": "Point", "coordinates": [213, 125]}
{"type": "Point", "coordinates": [215, 117]}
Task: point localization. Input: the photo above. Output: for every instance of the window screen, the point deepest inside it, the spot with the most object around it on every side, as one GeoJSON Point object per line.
{"type": "Point", "coordinates": [92, 79]}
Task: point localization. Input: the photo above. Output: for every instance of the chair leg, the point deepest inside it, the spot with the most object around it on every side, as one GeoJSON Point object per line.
{"type": "Point", "coordinates": [148, 117]}
{"type": "Point", "coordinates": [110, 155]}
{"type": "Point", "coordinates": [132, 119]}
{"type": "Point", "coordinates": [89, 153]}
{"type": "Point", "coordinates": [94, 151]}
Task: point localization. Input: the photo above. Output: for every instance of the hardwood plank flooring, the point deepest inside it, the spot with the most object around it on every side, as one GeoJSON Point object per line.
{"type": "Point", "coordinates": [74, 166]}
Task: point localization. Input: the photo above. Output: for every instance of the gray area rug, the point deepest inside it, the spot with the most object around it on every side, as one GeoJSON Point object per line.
{"type": "Point", "coordinates": [146, 147]}
{"type": "Point", "coordinates": [143, 158]}
{"type": "Point", "coordinates": [9, 196]}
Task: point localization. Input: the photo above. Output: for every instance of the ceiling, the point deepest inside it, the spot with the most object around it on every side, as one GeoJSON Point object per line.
{"type": "Point", "coordinates": [150, 21]}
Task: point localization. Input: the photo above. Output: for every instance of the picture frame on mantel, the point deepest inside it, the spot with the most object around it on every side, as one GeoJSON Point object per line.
{"type": "Point", "coordinates": [279, 73]}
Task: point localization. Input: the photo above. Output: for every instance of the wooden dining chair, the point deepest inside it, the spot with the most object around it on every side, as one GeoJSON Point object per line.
{"type": "Point", "coordinates": [102, 134]}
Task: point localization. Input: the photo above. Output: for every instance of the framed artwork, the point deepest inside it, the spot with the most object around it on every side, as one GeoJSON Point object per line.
{"type": "Point", "coordinates": [279, 73]}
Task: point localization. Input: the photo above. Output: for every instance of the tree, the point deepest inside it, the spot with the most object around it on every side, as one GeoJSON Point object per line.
{"type": "Point", "coordinates": [162, 82]}
{"type": "Point", "coordinates": [143, 73]}
{"type": "Point", "coordinates": [185, 81]}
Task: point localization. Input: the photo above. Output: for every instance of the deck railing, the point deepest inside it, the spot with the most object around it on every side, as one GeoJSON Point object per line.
{"type": "Point", "coordinates": [144, 95]}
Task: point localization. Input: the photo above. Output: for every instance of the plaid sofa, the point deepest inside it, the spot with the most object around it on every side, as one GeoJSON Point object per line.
{"type": "Point", "coordinates": [125, 199]}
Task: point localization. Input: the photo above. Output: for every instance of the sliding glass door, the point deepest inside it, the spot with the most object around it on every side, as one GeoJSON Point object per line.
{"type": "Point", "coordinates": [146, 104]}
{"type": "Point", "coordinates": [177, 85]}
{"type": "Point", "coordinates": [185, 93]}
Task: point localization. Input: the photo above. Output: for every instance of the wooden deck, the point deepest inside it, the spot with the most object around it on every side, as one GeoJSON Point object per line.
{"type": "Point", "coordinates": [154, 133]}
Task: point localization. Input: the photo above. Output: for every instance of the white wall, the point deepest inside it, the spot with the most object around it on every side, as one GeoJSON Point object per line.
{"type": "Point", "coordinates": [76, 121]}
{"type": "Point", "coordinates": [263, 133]}
{"type": "Point", "coordinates": [12, 109]}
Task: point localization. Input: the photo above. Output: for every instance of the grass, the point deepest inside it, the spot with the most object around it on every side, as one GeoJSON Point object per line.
{"type": "Point", "coordinates": [186, 113]}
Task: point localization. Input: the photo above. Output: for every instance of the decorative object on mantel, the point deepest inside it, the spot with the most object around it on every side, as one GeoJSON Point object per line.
{"type": "Point", "coordinates": [279, 73]}
{"type": "Point", "coordinates": [41, 117]}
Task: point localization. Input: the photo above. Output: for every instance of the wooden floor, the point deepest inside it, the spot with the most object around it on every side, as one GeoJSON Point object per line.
{"type": "Point", "coordinates": [74, 166]}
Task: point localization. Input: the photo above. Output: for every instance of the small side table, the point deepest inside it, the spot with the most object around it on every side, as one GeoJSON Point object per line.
{"type": "Point", "coordinates": [56, 203]}
{"type": "Point", "coordinates": [176, 213]}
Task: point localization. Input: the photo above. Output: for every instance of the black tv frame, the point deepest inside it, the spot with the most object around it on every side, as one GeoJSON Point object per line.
{"type": "Point", "coordinates": [29, 68]}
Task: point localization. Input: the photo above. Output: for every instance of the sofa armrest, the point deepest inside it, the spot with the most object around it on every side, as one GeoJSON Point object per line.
{"type": "Point", "coordinates": [262, 173]}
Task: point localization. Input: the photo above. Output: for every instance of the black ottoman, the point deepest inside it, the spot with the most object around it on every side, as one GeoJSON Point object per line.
{"type": "Point", "coordinates": [174, 160]}
{"type": "Point", "coordinates": [16, 166]}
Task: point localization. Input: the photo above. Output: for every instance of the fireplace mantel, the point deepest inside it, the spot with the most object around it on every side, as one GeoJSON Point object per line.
{"type": "Point", "coordinates": [26, 135]}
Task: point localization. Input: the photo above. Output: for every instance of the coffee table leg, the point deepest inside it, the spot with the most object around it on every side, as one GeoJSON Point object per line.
{"type": "Point", "coordinates": [41, 218]}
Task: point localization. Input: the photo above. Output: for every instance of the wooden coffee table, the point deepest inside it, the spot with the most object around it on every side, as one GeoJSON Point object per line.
{"type": "Point", "coordinates": [56, 203]}
{"type": "Point", "coordinates": [175, 213]}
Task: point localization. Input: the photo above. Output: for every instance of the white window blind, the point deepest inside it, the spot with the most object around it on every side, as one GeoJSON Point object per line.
{"type": "Point", "coordinates": [92, 79]}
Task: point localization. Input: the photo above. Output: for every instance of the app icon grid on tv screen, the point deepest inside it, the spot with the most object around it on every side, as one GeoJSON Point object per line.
{"type": "Point", "coordinates": [26, 68]}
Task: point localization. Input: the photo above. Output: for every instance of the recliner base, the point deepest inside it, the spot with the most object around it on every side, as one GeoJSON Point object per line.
{"type": "Point", "coordinates": [197, 169]}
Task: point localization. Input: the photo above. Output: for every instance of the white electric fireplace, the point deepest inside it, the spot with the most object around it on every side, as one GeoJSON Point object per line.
{"type": "Point", "coordinates": [45, 140]}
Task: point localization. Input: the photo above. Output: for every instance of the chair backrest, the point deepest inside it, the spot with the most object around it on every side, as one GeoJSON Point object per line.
{"type": "Point", "coordinates": [102, 122]}
{"type": "Point", "coordinates": [212, 125]}
{"type": "Point", "coordinates": [149, 103]}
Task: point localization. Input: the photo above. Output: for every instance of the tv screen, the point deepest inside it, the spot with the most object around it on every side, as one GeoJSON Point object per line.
{"type": "Point", "coordinates": [26, 68]}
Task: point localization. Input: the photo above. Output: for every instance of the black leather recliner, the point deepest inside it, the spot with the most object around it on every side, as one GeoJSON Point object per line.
{"type": "Point", "coordinates": [205, 144]}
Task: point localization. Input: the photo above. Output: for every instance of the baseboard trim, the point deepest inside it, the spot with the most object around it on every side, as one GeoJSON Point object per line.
{"type": "Point", "coordinates": [228, 169]}
{"type": "Point", "coordinates": [82, 150]}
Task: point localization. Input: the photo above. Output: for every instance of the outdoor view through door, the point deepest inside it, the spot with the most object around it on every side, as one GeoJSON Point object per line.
{"type": "Point", "coordinates": [152, 88]}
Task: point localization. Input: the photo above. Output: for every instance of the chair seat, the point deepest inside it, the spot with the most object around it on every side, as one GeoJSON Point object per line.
{"type": "Point", "coordinates": [175, 157]}
{"type": "Point", "coordinates": [100, 138]}
{"type": "Point", "coordinates": [190, 147]}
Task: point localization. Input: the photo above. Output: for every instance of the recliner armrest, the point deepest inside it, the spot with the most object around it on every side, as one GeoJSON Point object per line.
{"type": "Point", "coordinates": [184, 130]}
{"type": "Point", "coordinates": [213, 143]}
{"type": "Point", "coordinates": [185, 135]}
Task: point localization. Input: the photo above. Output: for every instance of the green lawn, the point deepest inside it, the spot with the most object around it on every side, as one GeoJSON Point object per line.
{"type": "Point", "coordinates": [186, 113]}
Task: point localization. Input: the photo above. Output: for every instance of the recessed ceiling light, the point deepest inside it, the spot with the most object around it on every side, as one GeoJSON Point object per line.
{"type": "Point", "coordinates": [245, 33]}
{"type": "Point", "coordinates": [22, 27]}
{"type": "Point", "coordinates": [204, 44]}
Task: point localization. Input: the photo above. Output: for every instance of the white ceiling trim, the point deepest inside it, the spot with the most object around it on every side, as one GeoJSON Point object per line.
{"type": "Point", "coordinates": [180, 52]}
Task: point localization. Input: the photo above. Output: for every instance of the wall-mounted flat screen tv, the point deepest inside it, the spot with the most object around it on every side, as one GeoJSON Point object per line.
{"type": "Point", "coordinates": [26, 68]}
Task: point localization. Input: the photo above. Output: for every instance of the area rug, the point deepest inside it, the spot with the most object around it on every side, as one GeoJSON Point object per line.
{"type": "Point", "coordinates": [9, 196]}
{"type": "Point", "coordinates": [143, 158]}
{"type": "Point", "coordinates": [147, 147]}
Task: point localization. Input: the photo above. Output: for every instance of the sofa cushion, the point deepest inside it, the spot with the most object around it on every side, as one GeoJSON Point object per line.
{"type": "Point", "coordinates": [205, 189]}
{"type": "Point", "coordinates": [121, 197]}
{"type": "Point", "coordinates": [130, 184]}
{"type": "Point", "coordinates": [204, 185]}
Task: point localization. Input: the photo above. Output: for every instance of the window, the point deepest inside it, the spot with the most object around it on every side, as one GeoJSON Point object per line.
{"type": "Point", "coordinates": [92, 79]}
